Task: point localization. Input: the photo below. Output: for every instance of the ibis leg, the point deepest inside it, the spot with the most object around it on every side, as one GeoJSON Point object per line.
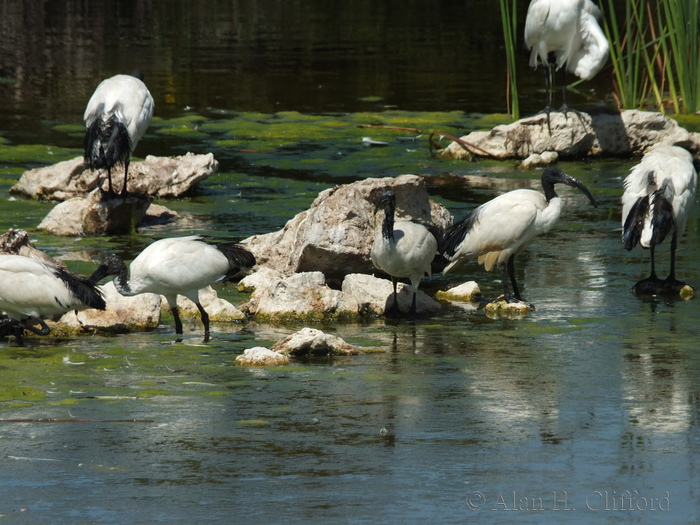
{"type": "Point", "coordinates": [205, 319]}
{"type": "Point", "coordinates": [178, 322]}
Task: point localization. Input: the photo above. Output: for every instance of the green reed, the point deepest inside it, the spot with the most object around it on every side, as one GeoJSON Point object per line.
{"type": "Point", "coordinates": [509, 19]}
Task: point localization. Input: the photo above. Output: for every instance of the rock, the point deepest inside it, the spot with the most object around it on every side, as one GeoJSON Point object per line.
{"type": "Point", "coordinates": [259, 279]}
{"type": "Point", "coordinates": [161, 177]}
{"type": "Point", "coordinates": [335, 234]}
{"type": "Point", "coordinates": [307, 297]}
{"type": "Point", "coordinates": [628, 132]}
{"type": "Point", "coordinates": [260, 356]}
{"type": "Point", "coordinates": [500, 308]}
{"type": "Point", "coordinates": [465, 292]}
{"type": "Point", "coordinates": [95, 215]}
{"type": "Point", "coordinates": [123, 314]}
{"type": "Point", "coordinates": [310, 341]}
{"type": "Point", "coordinates": [374, 296]}
{"type": "Point", "coordinates": [303, 296]}
{"type": "Point", "coordinates": [546, 158]}
{"type": "Point", "coordinates": [218, 309]}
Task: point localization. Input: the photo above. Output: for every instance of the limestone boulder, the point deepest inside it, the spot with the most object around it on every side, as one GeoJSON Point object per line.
{"type": "Point", "coordinates": [307, 296]}
{"type": "Point", "coordinates": [122, 314]}
{"type": "Point", "coordinates": [161, 177]}
{"type": "Point", "coordinates": [313, 342]}
{"type": "Point", "coordinates": [334, 236]}
{"type": "Point", "coordinates": [575, 135]}
{"type": "Point", "coordinates": [261, 356]}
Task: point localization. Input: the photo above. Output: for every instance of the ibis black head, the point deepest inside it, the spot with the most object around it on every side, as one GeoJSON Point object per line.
{"type": "Point", "coordinates": [552, 176]}
{"type": "Point", "coordinates": [111, 265]}
{"type": "Point", "coordinates": [387, 202]}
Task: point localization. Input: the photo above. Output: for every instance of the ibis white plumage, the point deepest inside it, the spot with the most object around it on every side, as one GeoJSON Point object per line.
{"type": "Point", "coordinates": [495, 232]}
{"type": "Point", "coordinates": [116, 117]}
{"type": "Point", "coordinates": [31, 290]}
{"type": "Point", "coordinates": [402, 249]}
{"type": "Point", "coordinates": [659, 194]}
{"type": "Point", "coordinates": [177, 265]}
{"type": "Point", "coordinates": [564, 35]}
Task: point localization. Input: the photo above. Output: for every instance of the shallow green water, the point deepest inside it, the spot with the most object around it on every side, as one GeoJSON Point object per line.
{"type": "Point", "coordinates": [593, 395]}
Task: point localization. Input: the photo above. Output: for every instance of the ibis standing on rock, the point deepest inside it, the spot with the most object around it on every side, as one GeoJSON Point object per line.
{"type": "Point", "coordinates": [402, 249]}
{"type": "Point", "coordinates": [498, 230]}
{"type": "Point", "coordinates": [564, 35]}
{"type": "Point", "coordinates": [116, 118]}
{"type": "Point", "coordinates": [178, 265]}
{"type": "Point", "coordinates": [31, 290]}
{"type": "Point", "coordinates": [659, 194]}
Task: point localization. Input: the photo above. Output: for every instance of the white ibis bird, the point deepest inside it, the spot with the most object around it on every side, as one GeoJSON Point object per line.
{"type": "Point", "coordinates": [179, 265]}
{"type": "Point", "coordinates": [402, 249]}
{"type": "Point", "coordinates": [564, 35]}
{"type": "Point", "coordinates": [116, 117]}
{"type": "Point", "coordinates": [496, 231]}
{"type": "Point", "coordinates": [31, 290]}
{"type": "Point", "coordinates": [659, 194]}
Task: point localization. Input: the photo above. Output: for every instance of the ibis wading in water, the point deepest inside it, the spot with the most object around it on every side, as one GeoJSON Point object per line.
{"type": "Point", "coordinates": [116, 118]}
{"type": "Point", "coordinates": [180, 265]}
{"type": "Point", "coordinates": [31, 290]}
{"type": "Point", "coordinates": [402, 249]}
{"type": "Point", "coordinates": [564, 35]}
{"type": "Point", "coordinates": [495, 232]}
{"type": "Point", "coordinates": [659, 194]}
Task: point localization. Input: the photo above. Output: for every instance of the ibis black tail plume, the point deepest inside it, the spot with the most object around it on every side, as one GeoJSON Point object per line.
{"type": "Point", "coordinates": [634, 223]}
{"type": "Point", "coordinates": [107, 143]}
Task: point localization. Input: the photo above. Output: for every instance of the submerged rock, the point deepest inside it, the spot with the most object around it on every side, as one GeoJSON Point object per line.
{"type": "Point", "coordinates": [162, 177]}
{"type": "Point", "coordinates": [334, 236]}
{"type": "Point", "coordinates": [501, 308]}
{"type": "Point", "coordinates": [261, 356]}
{"type": "Point", "coordinates": [310, 341]}
{"type": "Point", "coordinates": [575, 134]}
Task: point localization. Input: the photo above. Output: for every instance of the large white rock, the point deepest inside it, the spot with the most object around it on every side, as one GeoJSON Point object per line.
{"type": "Point", "coordinates": [155, 176]}
{"type": "Point", "coordinates": [628, 132]}
{"type": "Point", "coordinates": [335, 234]}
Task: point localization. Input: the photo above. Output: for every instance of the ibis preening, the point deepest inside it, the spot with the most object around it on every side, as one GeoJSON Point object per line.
{"type": "Point", "coordinates": [180, 265]}
{"type": "Point", "coordinates": [116, 118]}
{"type": "Point", "coordinates": [402, 249]}
{"type": "Point", "coordinates": [564, 35]}
{"type": "Point", "coordinates": [659, 193]}
{"type": "Point", "coordinates": [31, 290]}
{"type": "Point", "coordinates": [495, 232]}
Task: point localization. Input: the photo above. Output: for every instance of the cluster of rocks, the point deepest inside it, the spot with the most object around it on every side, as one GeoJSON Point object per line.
{"type": "Point", "coordinates": [542, 140]}
{"type": "Point", "coordinates": [85, 208]}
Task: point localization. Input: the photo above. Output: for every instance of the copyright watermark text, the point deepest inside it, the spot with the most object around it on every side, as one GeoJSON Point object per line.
{"type": "Point", "coordinates": [563, 501]}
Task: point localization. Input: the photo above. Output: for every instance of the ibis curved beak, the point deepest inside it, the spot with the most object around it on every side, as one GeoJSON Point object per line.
{"type": "Point", "coordinates": [575, 183]}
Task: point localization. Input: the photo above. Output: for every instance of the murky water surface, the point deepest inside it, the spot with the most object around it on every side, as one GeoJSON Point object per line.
{"type": "Point", "coordinates": [585, 410]}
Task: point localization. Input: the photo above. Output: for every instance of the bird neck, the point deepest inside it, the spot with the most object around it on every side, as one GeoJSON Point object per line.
{"type": "Point", "coordinates": [549, 192]}
{"type": "Point", "coordinates": [121, 283]}
{"type": "Point", "coordinates": [388, 223]}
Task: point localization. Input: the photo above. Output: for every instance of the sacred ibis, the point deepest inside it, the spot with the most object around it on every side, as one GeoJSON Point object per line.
{"type": "Point", "coordinates": [402, 249]}
{"type": "Point", "coordinates": [116, 117]}
{"type": "Point", "coordinates": [495, 232]}
{"type": "Point", "coordinates": [31, 290]}
{"type": "Point", "coordinates": [659, 194]}
{"type": "Point", "coordinates": [564, 35]}
{"type": "Point", "coordinates": [178, 265]}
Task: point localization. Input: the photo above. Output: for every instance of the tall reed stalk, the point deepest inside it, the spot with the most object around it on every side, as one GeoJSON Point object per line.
{"type": "Point", "coordinates": [655, 54]}
{"type": "Point", "coordinates": [509, 18]}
